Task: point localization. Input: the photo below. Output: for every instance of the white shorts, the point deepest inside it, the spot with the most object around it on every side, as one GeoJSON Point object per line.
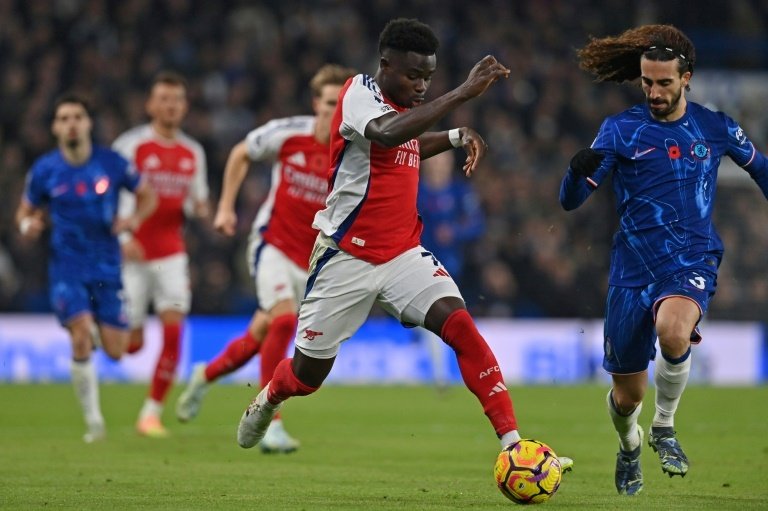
{"type": "Point", "coordinates": [276, 276]}
{"type": "Point", "coordinates": [343, 288]}
{"type": "Point", "coordinates": [164, 282]}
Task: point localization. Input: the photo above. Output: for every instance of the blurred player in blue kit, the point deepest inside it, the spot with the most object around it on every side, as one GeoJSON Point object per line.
{"type": "Point", "coordinates": [78, 184]}
{"type": "Point", "coordinates": [450, 210]}
{"type": "Point", "coordinates": [663, 156]}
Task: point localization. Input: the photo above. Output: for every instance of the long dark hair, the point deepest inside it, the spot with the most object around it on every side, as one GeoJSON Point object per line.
{"type": "Point", "coordinates": [617, 58]}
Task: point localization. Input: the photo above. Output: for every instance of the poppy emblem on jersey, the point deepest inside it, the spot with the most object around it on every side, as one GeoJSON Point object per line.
{"type": "Point", "coordinates": [102, 185]}
{"type": "Point", "coordinates": [311, 334]}
{"type": "Point", "coordinates": [81, 188]}
{"type": "Point", "coordinates": [674, 152]}
{"type": "Point", "coordinates": [700, 150]}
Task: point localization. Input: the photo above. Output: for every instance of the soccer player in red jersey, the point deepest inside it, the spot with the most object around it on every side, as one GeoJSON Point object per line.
{"type": "Point", "coordinates": [156, 262]}
{"type": "Point", "coordinates": [368, 249]}
{"type": "Point", "coordinates": [281, 240]}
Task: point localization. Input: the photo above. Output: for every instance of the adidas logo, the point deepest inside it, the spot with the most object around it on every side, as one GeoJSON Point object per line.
{"type": "Point", "coordinates": [441, 273]}
{"type": "Point", "coordinates": [499, 387]}
{"type": "Point", "coordinates": [297, 159]}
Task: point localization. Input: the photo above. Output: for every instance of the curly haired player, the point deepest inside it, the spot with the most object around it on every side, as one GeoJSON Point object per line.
{"type": "Point", "coordinates": [663, 157]}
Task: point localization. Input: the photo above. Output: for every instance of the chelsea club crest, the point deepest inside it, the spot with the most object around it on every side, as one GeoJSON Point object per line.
{"type": "Point", "coordinates": [700, 150]}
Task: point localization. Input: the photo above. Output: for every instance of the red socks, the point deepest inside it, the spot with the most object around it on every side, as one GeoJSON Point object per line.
{"type": "Point", "coordinates": [165, 370]}
{"type": "Point", "coordinates": [480, 370]}
{"type": "Point", "coordinates": [284, 384]}
{"type": "Point", "coordinates": [477, 363]}
{"type": "Point", "coordinates": [279, 336]}
{"type": "Point", "coordinates": [234, 356]}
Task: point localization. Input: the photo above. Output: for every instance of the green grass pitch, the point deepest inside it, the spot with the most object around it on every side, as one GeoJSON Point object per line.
{"type": "Point", "coordinates": [378, 448]}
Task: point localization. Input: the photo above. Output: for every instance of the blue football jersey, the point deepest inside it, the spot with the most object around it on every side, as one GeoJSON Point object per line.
{"type": "Point", "coordinates": [455, 205]}
{"type": "Point", "coordinates": [82, 204]}
{"type": "Point", "coordinates": [664, 178]}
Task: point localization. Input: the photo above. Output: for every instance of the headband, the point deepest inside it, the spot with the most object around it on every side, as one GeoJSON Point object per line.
{"type": "Point", "coordinates": [670, 50]}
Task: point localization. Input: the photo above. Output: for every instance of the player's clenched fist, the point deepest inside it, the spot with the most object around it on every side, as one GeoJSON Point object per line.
{"type": "Point", "coordinates": [485, 72]}
{"type": "Point", "coordinates": [225, 222]}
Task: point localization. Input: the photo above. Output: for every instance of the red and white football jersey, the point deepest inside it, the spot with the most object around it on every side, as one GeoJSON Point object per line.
{"type": "Point", "coordinates": [177, 171]}
{"type": "Point", "coordinates": [371, 209]}
{"type": "Point", "coordinates": [299, 184]}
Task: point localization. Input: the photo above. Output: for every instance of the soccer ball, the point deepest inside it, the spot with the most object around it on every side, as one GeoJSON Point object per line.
{"type": "Point", "coordinates": [528, 472]}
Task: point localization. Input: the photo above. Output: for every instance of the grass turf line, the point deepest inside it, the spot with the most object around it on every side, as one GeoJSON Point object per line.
{"type": "Point", "coordinates": [404, 448]}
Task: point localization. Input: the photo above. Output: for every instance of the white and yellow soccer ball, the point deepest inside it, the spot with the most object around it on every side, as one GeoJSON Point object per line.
{"type": "Point", "coordinates": [528, 472]}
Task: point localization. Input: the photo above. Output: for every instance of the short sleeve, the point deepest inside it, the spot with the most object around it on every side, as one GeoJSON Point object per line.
{"type": "Point", "coordinates": [264, 142]}
{"type": "Point", "coordinates": [362, 103]}
{"type": "Point", "coordinates": [605, 144]}
{"type": "Point", "coordinates": [740, 147]}
{"type": "Point", "coordinates": [35, 190]}
{"type": "Point", "coordinates": [130, 172]}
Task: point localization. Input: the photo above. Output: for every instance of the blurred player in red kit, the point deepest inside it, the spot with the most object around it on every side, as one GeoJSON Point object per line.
{"type": "Point", "coordinates": [155, 260]}
{"type": "Point", "coordinates": [281, 240]}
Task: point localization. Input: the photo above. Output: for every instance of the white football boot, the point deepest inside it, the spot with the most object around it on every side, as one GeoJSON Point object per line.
{"type": "Point", "coordinates": [566, 463]}
{"type": "Point", "coordinates": [276, 439]}
{"type": "Point", "coordinates": [191, 399]}
{"type": "Point", "coordinates": [96, 431]}
{"type": "Point", "coordinates": [255, 420]}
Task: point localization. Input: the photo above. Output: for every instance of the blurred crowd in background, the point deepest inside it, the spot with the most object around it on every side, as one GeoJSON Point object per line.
{"type": "Point", "coordinates": [248, 62]}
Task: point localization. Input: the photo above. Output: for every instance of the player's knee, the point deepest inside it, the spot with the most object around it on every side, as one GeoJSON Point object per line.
{"type": "Point", "coordinates": [81, 345]}
{"type": "Point", "coordinates": [439, 312]}
{"type": "Point", "coordinates": [113, 353]}
{"type": "Point", "coordinates": [627, 399]}
{"type": "Point", "coordinates": [136, 338]}
{"type": "Point", "coordinates": [674, 336]}
{"type": "Point", "coordinates": [310, 371]}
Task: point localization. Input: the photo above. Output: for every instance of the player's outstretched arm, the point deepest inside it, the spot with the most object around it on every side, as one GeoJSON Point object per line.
{"type": "Point", "coordinates": [146, 202]}
{"type": "Point", "coordinates": [394, 129]}
{"type": "Point", "coordinates": [234, 173]}
{"type": "Point", "coordinates": [577, 183]}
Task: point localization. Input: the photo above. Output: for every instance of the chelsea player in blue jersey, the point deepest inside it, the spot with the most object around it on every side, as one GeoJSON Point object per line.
{"type": "Point", "coordinates": [78, 186]}
{"type": "Point", "coordinates": [663, 157]}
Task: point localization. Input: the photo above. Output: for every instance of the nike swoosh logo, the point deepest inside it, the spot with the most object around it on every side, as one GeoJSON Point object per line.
{"type": "Point", "coordinates": [639, 154]}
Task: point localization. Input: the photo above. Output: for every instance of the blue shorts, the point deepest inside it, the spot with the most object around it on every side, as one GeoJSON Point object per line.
{"type": "Point", "coordinates": [104, 299]}
{"type": "Point", "coordinates": [629, 341]}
